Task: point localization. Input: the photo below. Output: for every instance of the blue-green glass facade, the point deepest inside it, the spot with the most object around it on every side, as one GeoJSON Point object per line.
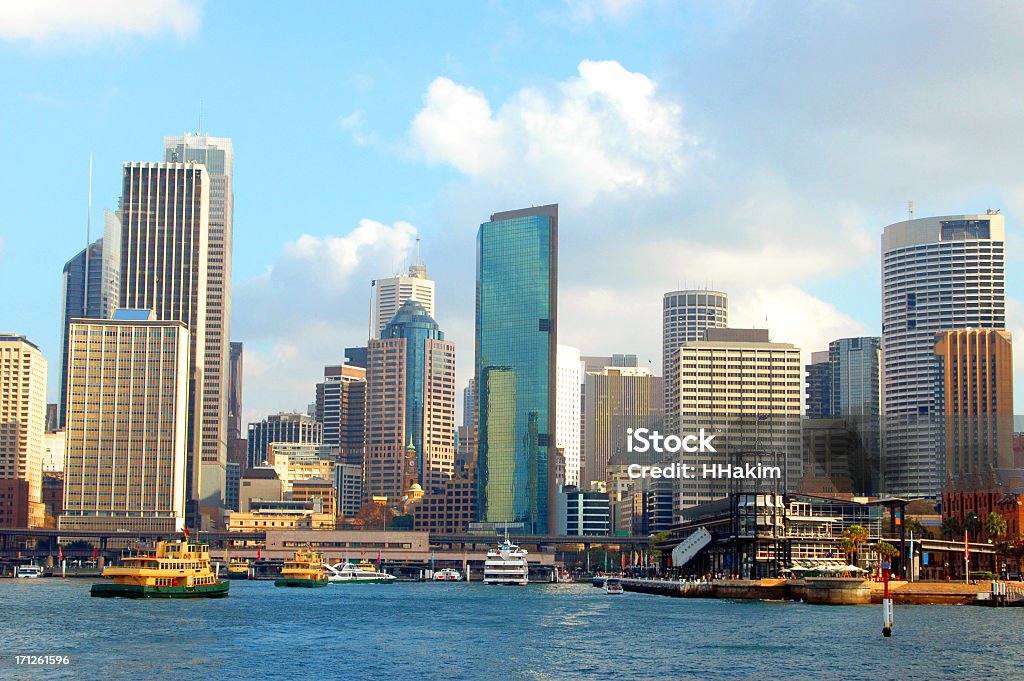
{"type": "Point", "coordinates": [516, 341]}
{"type": "Point", "coordinates": [412, 323]}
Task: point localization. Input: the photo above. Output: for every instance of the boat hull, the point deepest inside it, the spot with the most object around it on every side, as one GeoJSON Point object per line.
{"type": "Point", "coordinates": [372, 580]}
{"type": "Point", "coordinates": [300, 583]}
{"type": "Point", "coordinates": [218, 590]}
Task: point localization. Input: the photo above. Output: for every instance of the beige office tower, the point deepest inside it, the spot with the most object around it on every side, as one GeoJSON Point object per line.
{"type": "Point", "coordinates": [218, 155]}
{"type": "Point", "coordinates": [685, 316]}
{"type": "Point", "coordinates": [391, 294]}
{"type": "Point", "coordinates": [164, 266]}
{"type": "Point", "coordinates": [23, 421]}
{"type": "Point", "coordinates": [128, 394]}
{"type": "Point", "coordinates": [747, 392]}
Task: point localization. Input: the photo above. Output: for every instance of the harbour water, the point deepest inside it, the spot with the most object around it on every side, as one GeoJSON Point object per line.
{"type": "Point", "coordinates": [471, 631]}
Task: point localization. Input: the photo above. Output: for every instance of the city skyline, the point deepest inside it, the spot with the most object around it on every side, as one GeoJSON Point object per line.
{"type": "Point", "coordinates": [332, 244]}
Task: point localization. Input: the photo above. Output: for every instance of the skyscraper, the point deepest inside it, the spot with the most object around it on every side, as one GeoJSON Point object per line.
{"type": "Point", "coordinates": [938, 274]}
{"type": "Point", "coordinates": [164, 266]}
{"type": "Point", "coordinates": [341, 408]}
{"type": "Point", "coordinates": [235, 391]}
{"type": "Point", "coordinates": [410, 406]}
{"type": "Point", "coordinates": [819, 385]}
{"type": "Point", "coordinates": [516, 367]}
{"type": "Point", "coordinates": [22, 424]}
{"type": "Point", "coordinates": [567, 412]}
{"type": "Point", "coordinates": [217, 154]}
{"type": "Point", "coordinates": [96, 298]}
{"type": "Point", "coordinates": [127, 424]}
{"type": "Point", "coordinates": [391, 294]}
{"type": "Point", "coordinates": [283, 427]}
{"type": "Point", "coordinates": [685, 316]}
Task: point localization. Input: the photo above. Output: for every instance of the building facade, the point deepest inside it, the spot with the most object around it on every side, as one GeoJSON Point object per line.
{"type": "Point", "coordinates": [22, 424]}
{"type": "Point", "coordinates": [391, 294]}
{"type": "Point", "coordinates": [568, 390]}
{"type": "Point", "coordinates": [685, 316]}
{"type": "Point", "coordinates": [938, 274]}
{"type": "Point", "coordinates": [341, 408]}
{"type": "Point", "coordinates": [127, 424]}
{"type": "Point", "coordinates": [283, 427]}
{"type": "Point", "coordinates": [516, 367]}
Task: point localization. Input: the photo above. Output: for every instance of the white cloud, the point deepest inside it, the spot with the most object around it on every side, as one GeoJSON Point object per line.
{"type": "Point", "coordinates": [607, 132]}
{"type": "Point", "coordinates": [3, 244]}
{"type": "Point", "coordinates": [587, 10]}
{"type": "Point", "coordinates": [41, 21]}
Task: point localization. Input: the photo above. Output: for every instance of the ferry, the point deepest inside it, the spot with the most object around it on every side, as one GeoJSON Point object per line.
{"type": "Point", "coordinates": [507, 565]}
{"type": "Point", "coordinates": [177, 569]}
{"type": "Point", "coordinates": [303, 570]}
{"type": "Point", "coordinates": [238, 568]}
{"type": "Point", "coordinates": [448, 575]}
{"type": "Point", "coordinates": [563, 577]}
{"type": "Point", "coordinates": [363, 573]}
{"type": "Point", "coordinates": [613, 586]}
{"type": "Point", "coordinates": [28, 572]}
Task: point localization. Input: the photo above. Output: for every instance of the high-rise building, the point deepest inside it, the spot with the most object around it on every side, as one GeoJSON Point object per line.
{"type": "Point", "coordinates": [90, 288]}
{"type": "Point", "coordinates": [938, 274]}
{"type": "Point", "coordinates": [22, 424]}
{"type": "Point", "coordinates": [235, 391]}
{"type": "Point", "coordinates": [348, 486]}
{"type": "Point", "coordinates": [746, 390]}
{"type": "Point", "coordinates": [619, 398]}
{"type": "Point", "coordinates": [127, 424]}
{"type": "Point", "coordinates": [341, 408]}
{"type": "Point", "coordinates": [819, 385]}
{"type": "Point", "coordinates": [283, 427]}
{"type": "Point", "coordinates": [164, 267]}
{"type": "Point", "coordinates": [516, 362]}
{"type": "Point", "coordinates": [217, 154]}
{"type": "Point", "coordinates": [976, 366]}
{"type": "Point", "coordinates": [567, 412]}
{"type": "Point", "coordinates": [685, 316]}
{"type": "Point", "coordinates": [391, 294]}
{"type": "Point", "coordinates": [410, 406]}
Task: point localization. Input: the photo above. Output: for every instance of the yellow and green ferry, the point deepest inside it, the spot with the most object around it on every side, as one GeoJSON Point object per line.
{"type": "Point", "coordinates": [177, 569]}
{"type": "Point", "coordinates": [305, 569]}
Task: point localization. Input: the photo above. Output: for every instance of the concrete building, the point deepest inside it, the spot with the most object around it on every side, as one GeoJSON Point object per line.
{"type": "Point", "coordinates": [128, 397]}
{"type": "Point", "coordinates": [391, 294]}
{"type": "Point", "coordinates": [217, 155]}
{"type": "Point", "coordinates": [516, 367]}
{"type": "Point", "coordinates": [300, 461]}
{"type": "Point", "coordinates": [348, 485]}
{"type": "Point", "coordinates": [568, 385]}
{"type": "Point", "coordinates": [317, 489]}
{"type": "Point", "coordinates": [619, 398]}
{"type": "Point", "coordinates": [91, 284]}
{"type": "Point", "coordinates": [234, 391]}
{"type": "Point", "coordinates": [747, 390]}
{"type": "Point", "coordinates": [976, 366]}
{"type": "Point", "coordinates": [14, 504]}
{"type": "Point", "coordinates": [283, 427]}
{"type": "Point", "coordinates": [281, 515]}
{"type": "Point", "coordinates": [449, 510]}
{"type": "Point", "coordinates": [938, 274]}
{"type": "Point", "coordinates": [341, 408]}
{"type": "Point", "coordinates": [54, 444]}
{"type": "Point", "coordinates": [583, 513]}
{"type": "Point", "coordinates": [22, 423]}
{"type": "Point", "coordinates": [818, 385]}
{"type": "Point", "coordinates": [258, 484]}
{"type": "Point", "coordinates": [410, 406]}
{"type": "Point", "coordinates": [685, 316]}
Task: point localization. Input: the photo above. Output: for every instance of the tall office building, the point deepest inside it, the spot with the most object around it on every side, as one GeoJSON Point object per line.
{"type": "Point", "coordinates": [164, 250]}
{"type": "Point", "coordinates": [746, 389]}
{"type": "Point", "coordinates": [567, 411]}
{"type": "Point", "coordinates": [217, 154]}
{"type": "Point", "coordinates": [976, 366]}
{"type": "Point", "coordinates": [938, 274]}
{"type": "Point", "coordinates": [391, 294]}
{"type": "Point", "coordinates": [685, 316]}
{"type": "Point", "coordinates": [819, 385]}
{"type": "Point", "coordinates": [341, 408]}
{"type": "Point", "coordinates": [90, 288]}
{"type": "Point", "coordinates": [410, 406]}
{"type": "Point", "coordinates": [22, 424]}
{"type": "Point", "coordinates": [234, 392]}
{"type": "Point", "coordinates": [127, 424]}
{"type": "Point", "coordinates": [283, 427]}
{"type": "Point", "coordinates": [619, 398]}
{"type": "Point", "coordinates": [516, 367]}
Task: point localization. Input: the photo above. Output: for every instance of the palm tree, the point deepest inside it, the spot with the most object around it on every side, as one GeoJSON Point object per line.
{"type": "Point", "coordinates": [995, 526]}
{"type": "Point", "coordinates": [972, 524]}
{"type": "Point", "coordinates": [885, 549]}
{"type": "Point", "coordinates": [952, 528]}
{"type": "Point", "coordinates": [915, 527]}
{"type": "Point", "coordinates": [853, 537]}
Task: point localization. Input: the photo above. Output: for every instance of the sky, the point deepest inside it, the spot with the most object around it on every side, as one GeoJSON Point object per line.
{"type": "Point", "coordinates": [758, 148]}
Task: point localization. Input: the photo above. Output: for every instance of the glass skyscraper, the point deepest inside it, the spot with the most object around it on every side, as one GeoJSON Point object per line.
{"type": "Point", "coordinates": [516, 350]}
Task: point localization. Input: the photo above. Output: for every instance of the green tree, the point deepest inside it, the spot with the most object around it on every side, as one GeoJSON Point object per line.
{"type": "Point", "coordinates": [972, 524]}
{"type": "Point", "coordinates": [853, 537]}
{"type": "Point", "coordinates": [914, 525]}
{"type": "Point", "coordinates": [885, 549]}
{"type": "Point", "coordinates": [995, 526]}
{"type": "Point", "coordinates": [952, 528]}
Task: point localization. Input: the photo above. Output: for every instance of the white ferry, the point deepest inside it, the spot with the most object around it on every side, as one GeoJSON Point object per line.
{"type": "Point", "coordinates": [28, 572]}
{"type": "Point", "coordinates": [363, 573]}
{"type": "Point", "coordinates": [448, 575]}
{"type": "Point", "coordinates": [507, 565]}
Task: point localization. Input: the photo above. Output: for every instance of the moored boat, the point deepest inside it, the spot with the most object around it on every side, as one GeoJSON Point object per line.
{"type": "Point", "coordinates": [613, 586]}
{"type": "Point", "coordinates": [176, 569]}
{"type": "Point", "coordinates": [238, 568]}
{"type": "Point", "coordinates": [363, 573]}
{"type": "Point", "coordinates": [507, 564]}
{"type": "Point", "coordinates": [28, 572]}
{"type": "Point", "coordinates": [448, 575]}
{"type": "Point", "coordinates": [304, 569]}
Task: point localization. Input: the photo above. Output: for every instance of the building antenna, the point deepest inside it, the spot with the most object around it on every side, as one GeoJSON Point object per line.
{"type": "Point", "coordinates": [88, 241]}
{"type": "Point", "coordinates": [200, 130]}
{"type": "Point", "coordinates": [369, 324]}
{"type": "Point", "coordinates": [910, 209]}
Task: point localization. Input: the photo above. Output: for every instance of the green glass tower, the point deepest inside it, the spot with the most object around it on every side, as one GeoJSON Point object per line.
{"type": "Point", "coordinates": [516, 346]}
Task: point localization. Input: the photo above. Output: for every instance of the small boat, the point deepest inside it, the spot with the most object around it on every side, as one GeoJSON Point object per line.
{"type": "Point", "coordinates": [613, 586]}
{"type": "Point", "coordinates": [238, 568]}
{"type": "Point", "coordinates": [563, 577]}
{"type": "Point", "coordinates": [363, 573]}
{"type": "Point", "coordinates": [507, 564]}
{"type": "Point", "coordinates": [304, 569]}
{"type": "Point", "coordinates": [448, 575]}
{"type": "Point", "coordinates": [177, 569]}
{"type": "Point", "coordinates": [28, 572]}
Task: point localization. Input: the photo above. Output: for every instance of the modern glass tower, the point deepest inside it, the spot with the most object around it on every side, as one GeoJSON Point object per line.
{"type": "Point", "coordinates": [516, 367]}
{"type": "Point", "coordinates": [938, 274]}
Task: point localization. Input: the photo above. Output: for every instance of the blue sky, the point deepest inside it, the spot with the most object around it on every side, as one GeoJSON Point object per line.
{"type": "Point", "coordinates": [756, 147]}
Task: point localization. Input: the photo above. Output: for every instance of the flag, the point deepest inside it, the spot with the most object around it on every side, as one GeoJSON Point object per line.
{"type": "Point", "coordinates": [257, 554]}
{"type": "Point", "coordinates": [60, 553]}
{"type": "Point", "coordinates": [967, 546]}
{"type": "Point", "coordinates": [378, 555]}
